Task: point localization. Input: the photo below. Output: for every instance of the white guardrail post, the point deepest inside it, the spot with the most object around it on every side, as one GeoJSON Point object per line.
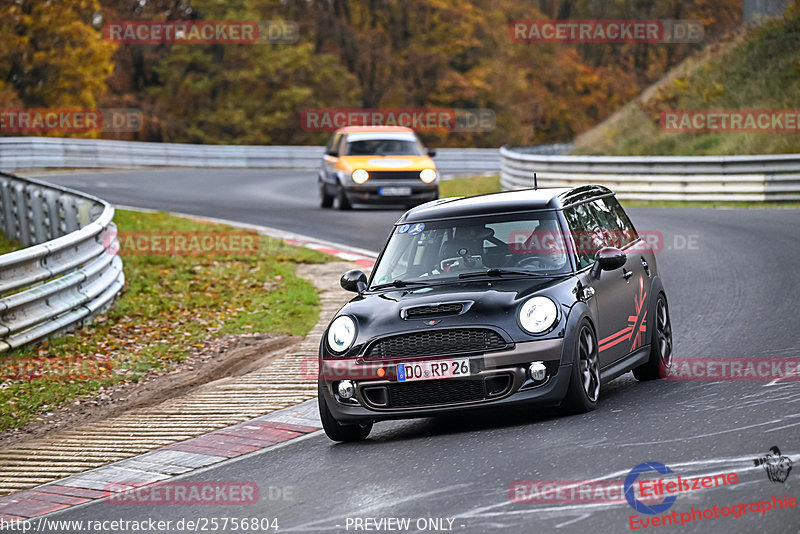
{"type": "Point", "coordinates": [774, 178]}
{"type": "Point", "coordinates": [66, 275]}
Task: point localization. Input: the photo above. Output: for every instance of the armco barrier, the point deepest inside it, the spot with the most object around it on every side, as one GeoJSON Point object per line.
{"type": "Point", "coordinates": [65, 276]}
{"type": "Point", "coordinates": [28, 153]}
{"type": "Point", "coordinates": [773, 178]}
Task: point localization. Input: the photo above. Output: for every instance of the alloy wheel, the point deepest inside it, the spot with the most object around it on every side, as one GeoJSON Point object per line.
{"type": "Point", "coordinates": [589, 364]}
{"type": "Point", "coordinates": [664, 334]}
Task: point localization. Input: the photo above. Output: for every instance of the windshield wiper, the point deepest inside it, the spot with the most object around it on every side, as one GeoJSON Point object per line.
{"type": "Point", "coordinates": [493, 273]}
{"type": "Point", "coordinates": [400, 283]}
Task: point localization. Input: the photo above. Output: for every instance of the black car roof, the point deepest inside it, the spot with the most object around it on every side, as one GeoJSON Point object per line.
{"type": "Point", "coordinates": [502, 203]}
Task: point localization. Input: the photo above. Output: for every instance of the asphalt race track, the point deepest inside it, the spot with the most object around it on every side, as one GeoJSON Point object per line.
{"type": "Point", "coordinates": [281, 199]}
{"type": "Point", "coordinates": [731, 278]}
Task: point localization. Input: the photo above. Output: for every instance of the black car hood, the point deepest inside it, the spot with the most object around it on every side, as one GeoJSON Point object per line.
{"type": "Point", "coordinates": [492, 303]}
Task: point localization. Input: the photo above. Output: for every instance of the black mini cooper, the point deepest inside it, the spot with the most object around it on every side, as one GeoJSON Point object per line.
{"type": "Point", "coordinates": [535, 296]}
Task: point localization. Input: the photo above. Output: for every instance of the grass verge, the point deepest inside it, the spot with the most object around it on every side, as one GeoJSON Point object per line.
{"type": "Point", "coordinates": [760, 70]}
{"type": "Point", "coordinates": [171, 304]}
{"type": "Point", "coordinates": [468, 187]}
{"type": "Point", "coordinates": [7, 246]}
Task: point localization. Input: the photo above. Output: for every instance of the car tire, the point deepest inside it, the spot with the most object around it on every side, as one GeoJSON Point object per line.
{"type": "Point", "coordinates": [341, 199]}
{"type": "Point", "coordinates": [337, 431]}
{"type": "Point", "coordinates": [583, 390]}
{"type": "Point", "coordinates": [325, 200]}
{"type": "Point", "coordinates": [659, 364]}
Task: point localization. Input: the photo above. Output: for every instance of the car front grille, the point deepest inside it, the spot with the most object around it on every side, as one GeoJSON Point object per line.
{"type": "Point", "coordinates": [394, 175]}
{"type": "Point", "coordinates": [439, 310]}
{"type": "Point", "coordinates": [434, 392]}
{"type": "Point", "coordinates": [437, 342]}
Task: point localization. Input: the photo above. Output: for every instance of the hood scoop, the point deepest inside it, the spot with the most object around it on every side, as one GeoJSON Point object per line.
{"type": "Point", "coordinates": [435, 310]}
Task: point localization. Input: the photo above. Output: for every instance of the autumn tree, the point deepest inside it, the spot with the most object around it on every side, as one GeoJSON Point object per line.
{"type": "Point", "coordinates": [387, 53]}
{"type": "Point", "coordinates": [51, 54]}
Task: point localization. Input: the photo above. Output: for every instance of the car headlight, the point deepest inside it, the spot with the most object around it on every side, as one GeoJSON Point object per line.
{"type": "Point", "coordinates": [427, 175]}
{"type": "Point", "coordinates": [538, 314]}
{"type": "Point", "coordinates": [360, 176]}
{"type": "Point", "coordinates": [341, 334]}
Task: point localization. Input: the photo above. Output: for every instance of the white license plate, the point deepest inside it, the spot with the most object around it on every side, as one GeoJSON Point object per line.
{"type": "Point", "coordinates": [394, 191]}
{"type": "Point", "coordinates": [432, 370]}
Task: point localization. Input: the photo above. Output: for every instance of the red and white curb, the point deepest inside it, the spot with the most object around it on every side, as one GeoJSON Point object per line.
{"type": "Point", "coordinates": [165, 463]}
{"type": "Point", "coordinates": [359, 259]}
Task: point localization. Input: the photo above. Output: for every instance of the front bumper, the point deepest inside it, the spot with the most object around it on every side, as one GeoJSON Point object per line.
{"type": "Point", "coordinates": [370, 192]}
{"type": "Point", "coordinates": [497, 379]}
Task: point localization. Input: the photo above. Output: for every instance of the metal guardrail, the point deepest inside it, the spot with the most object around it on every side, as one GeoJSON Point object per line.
{"type": "Point", "coordinates": [52, 152]}
{"type": "Point", "coordinates": [65, 276]}
{"type": "Point", "coordinates": [449, 160]}
{"type": "Point", "coordinates": [58, 153]}
{"type": "Point", "coordinates": [773, 178]}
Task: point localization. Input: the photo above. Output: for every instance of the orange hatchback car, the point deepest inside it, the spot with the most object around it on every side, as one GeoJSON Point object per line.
{"type": "Point", "coordinates": [377, 165]}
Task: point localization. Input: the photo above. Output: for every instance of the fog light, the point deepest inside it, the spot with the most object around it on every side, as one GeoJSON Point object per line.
{"type": "Point", "coordinates": [537, 371]}
{"type": "Point", "coordinates": [346, 389]}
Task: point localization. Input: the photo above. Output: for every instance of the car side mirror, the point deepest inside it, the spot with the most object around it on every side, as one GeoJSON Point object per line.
{"type": "Point", "coordinates": [607, 259]}
{"type": "Point", "coordinates": [354, 280]}
{"type": "Point", "coordinates": [431, 152]}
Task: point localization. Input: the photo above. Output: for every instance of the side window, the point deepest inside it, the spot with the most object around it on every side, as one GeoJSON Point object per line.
{"type": "Point", "coordinates": [609, 229]}
{"type": "Point", "coordinates": [332, 148]}
{"type": "Point", "coordinates": [616, 231]}
{"type": "Point", "coordinates": [615, 212]}
{"type": "Point", "coordinates": [586, 233]}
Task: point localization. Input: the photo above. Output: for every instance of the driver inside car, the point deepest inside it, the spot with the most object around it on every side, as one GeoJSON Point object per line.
{"type": "Point", "coordinates": [464, 251]}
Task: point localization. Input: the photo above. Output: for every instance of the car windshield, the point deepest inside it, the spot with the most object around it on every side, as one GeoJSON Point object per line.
{"type": "Point", "coordinates": [383, 147]}
{"type": "Point", "coordinates": [530, 243]}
